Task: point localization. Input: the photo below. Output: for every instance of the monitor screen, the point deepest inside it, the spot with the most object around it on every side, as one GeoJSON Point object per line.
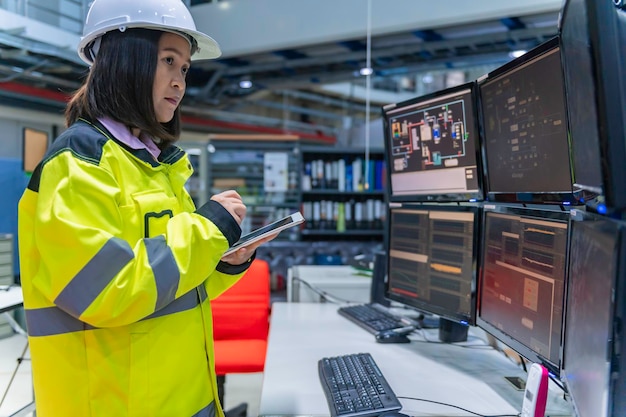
{"type": "Point", "coordinates": [592, 36]}
{"type": "Point", "coordinates": [524, 125]}
{"type": "Point", "coordinates": [432, 147]}
{"type": "Point", "coordinates": [432, 259]}
{"type": "Point", "coordinates": [589, 323]}
{"type": "Point", "coordinates": [522, 280]}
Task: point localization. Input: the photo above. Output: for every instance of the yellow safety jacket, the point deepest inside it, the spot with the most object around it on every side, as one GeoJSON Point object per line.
{"type": "Point", "coordinates": [118, 268]}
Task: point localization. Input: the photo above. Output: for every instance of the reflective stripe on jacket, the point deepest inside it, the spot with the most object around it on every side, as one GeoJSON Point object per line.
{"type": "Point", "coordinates": [118, 268]}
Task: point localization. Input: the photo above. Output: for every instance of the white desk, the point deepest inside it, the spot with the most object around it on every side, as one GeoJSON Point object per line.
{"type": "Point", "coordinates": [340, 281]}
{"type": "Point", "coordinates": [472, 378]}
{"type": "Point", "coordinates": [10, 298]}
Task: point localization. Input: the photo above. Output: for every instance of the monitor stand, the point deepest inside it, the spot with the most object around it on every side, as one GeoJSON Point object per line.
{"type": "Point", "coordinates": [428, 321]}
{"type": "Point", "coordinates": [452, 331]}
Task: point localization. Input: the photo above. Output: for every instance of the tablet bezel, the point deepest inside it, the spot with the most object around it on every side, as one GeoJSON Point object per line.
{"type": "Point", "coordinates": [286, 222]}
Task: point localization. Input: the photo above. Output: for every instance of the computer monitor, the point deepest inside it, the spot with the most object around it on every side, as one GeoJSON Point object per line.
{"type": "Point", "coordinates": [432, 148]}
{"type": "Point", "coordinates": [432, 262]}
{"type": "Point", "coordinates": [593, 35]}
{"type": "Point", "coordinates": [593, 366]}
{"type": "Point", "coordinates": [524, 128]}
{"type": "Point", "coordinates": [522, 280]}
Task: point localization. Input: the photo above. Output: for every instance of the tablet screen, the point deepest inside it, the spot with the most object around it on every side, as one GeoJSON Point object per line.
{"type": "Point", "coordinates": [267, 230]}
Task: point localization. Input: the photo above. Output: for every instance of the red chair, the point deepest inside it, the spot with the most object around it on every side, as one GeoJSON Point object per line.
{"type": "Point", "coordinates": [241, 326]}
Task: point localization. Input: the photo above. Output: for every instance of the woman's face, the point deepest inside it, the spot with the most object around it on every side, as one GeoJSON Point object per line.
{"type": "Point", "coordinates": [169, 82]}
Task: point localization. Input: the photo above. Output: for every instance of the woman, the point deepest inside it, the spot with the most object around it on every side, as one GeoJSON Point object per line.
{"type": "Point", "coordinates": [117, 265]}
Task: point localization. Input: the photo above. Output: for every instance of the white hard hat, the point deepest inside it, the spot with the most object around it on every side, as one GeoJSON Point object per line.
{"type": "Point", "coordinates": [167, 15]}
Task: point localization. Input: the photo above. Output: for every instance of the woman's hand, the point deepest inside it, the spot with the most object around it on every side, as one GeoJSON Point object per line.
{"type": "Point", "coordinates": [242, 255]}
{"type": "Point", "coordinates": [231, 201]}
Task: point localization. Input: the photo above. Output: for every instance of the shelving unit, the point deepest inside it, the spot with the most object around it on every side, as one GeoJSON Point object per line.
{"type": "Point", "coordinates": [263, 169]}
{"type": "Point", "coordinates": [339, 190]}
{"type": "Point", "coordinates": [6, 275]}
{"type": "Point", "coordinates": [342, 193]}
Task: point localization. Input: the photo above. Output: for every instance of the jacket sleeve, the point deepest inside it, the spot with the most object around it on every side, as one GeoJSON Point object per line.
{"type": "Point", "coordinates": [96, 268]}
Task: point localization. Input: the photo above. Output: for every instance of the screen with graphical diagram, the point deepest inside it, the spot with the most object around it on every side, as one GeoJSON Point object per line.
{"type": "Point", "coordinates": [525, 131]}
{"type": "Point", "coordinates": [432, 259]}
{"type": "Point", "coordinates": [522, 280]}
{"type": "Point", "coordinates": [432, 149]}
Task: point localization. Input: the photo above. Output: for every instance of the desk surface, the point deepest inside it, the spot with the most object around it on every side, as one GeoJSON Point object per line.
{"type": "Point", "coordinates": [10, 298]}
{"type": "Point", "coordinates": [469, 377]}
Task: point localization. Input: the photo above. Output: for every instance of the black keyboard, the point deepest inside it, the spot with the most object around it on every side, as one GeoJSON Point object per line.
{"type": "Point", "coordinates": [372, 319]}
{"type": "Point", "coordinates": [355, 387]}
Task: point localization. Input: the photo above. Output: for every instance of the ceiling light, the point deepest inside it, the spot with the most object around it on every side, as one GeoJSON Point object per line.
{"type": "Point", "coordinates": [366, 71]}
{"type": "Point", "coordinates": [245, 84]}
{"type": "Point", "coordinates": [427, 79]}
{"type": "Point", "coordinates": [517, 54]}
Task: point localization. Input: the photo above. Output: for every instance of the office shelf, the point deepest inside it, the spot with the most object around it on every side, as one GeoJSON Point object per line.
{"type": "Point", "coordinates": [348, 208]}
{"type": "Point", "coordinates": [264, 172]}
{"type": "Point", "coordinates": [6, 275]}
{"type": "Point", "coordinates": [342, 193]}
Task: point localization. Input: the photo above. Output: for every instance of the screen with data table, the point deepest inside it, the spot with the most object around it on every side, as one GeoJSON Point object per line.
{"type": "Point", "coordinates": [432, 259]}
{"type": "Point", "coordinates": [522, 280]}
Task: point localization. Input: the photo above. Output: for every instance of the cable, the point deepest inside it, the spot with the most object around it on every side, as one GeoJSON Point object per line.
{"type": "Point", "coordinates": [523, 363]}
{"type": "Point", "coordinates": [557, 383]}
{"type": "Point", "coordinates": [427, 340]}
{"type": "Point", "coordinates": [457, 407]}
{"type": "Point", "coordinates": [326, 296]}
{"type": "Point", "coordinates": [368, 88]}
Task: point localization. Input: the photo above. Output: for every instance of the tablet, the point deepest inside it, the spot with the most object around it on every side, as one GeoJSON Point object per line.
{"type": "Point", "coordinates": [262, 232]}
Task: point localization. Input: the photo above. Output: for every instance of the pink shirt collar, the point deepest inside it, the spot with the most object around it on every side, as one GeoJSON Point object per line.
{"type": "Point", "coordinates": [124, 135]}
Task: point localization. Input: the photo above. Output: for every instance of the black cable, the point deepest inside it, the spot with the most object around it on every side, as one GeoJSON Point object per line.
{"type": "Point", "coordinates": [325, 296]}
{"type": "Point", "coordinates": [457, 407]}
{"type": "Point", "coordinates": [557, 383]}
{"type": "Point", "coordinates": [427, 340]}
{"type": "Point", "coordinates": [523, 362]}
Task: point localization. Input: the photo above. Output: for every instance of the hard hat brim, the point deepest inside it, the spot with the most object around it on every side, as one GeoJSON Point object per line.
{"type": "Point", "coordinates": [208, 48]}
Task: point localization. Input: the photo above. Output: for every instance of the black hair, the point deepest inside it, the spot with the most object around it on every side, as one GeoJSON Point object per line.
{"type": "Point", "coordinates": [120, 83]}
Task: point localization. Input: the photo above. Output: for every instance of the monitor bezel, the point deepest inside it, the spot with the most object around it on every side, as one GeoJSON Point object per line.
{"type": "Point", "coordinates": [617, 358]}
{"type": "Point", "coordinates": [437, 197]}
{"type": "Point", "coordinates": [610, 98]}
{"type": "Point", "coordinates": [544, 213]}
{"type": "Point", "coordinates": [427, 307]}
{"type": "Point", "coordinates": [566, 197]}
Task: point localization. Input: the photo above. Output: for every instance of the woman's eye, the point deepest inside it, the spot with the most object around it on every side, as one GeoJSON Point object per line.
{"type": "Point", "coordinates": [185, 70]}
{"type": "Point", "coordinates": [169, 61]}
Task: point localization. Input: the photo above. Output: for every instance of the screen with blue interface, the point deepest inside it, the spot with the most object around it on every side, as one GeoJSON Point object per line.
{"type": "Point", "coordinates": [432, 147]}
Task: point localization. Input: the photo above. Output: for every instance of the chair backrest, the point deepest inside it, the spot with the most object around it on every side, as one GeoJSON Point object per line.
{"type": "Point", "coordinates": [242, 312]}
